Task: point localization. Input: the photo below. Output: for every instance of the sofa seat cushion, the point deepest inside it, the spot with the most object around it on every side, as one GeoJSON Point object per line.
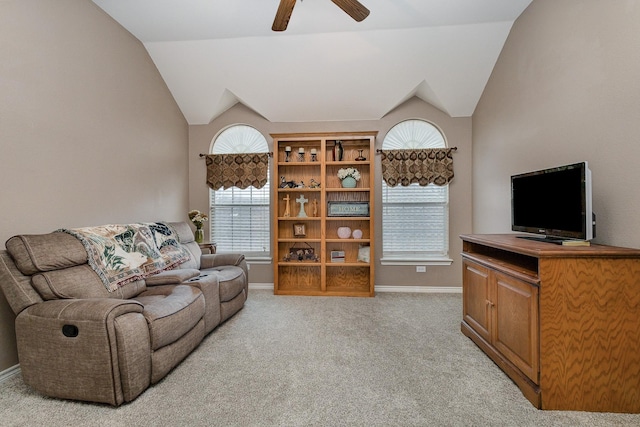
{"type": "Point", "coordinates": [171, 312]}
{"type": "Point", "coordinates": [231, 278]}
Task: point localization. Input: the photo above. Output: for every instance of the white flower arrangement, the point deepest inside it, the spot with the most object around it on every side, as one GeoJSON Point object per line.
{"type": "Point", "coordinates": [352, 172]}
{"type": "Point", "coordinates": [198, 218]}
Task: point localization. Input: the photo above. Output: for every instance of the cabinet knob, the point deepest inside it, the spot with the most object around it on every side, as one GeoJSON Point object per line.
{"type": "Point", "coordinates": [490, 304]}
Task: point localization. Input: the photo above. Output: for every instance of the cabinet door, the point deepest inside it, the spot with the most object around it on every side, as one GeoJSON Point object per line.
{"type": "Point", "coordinates": [476, 305]}
{"type": "Point", "coordinates": [515, 325]}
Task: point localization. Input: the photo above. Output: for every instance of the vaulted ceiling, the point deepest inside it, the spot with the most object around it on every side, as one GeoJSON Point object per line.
{"type": "Point", "coordinates": [213, 54]}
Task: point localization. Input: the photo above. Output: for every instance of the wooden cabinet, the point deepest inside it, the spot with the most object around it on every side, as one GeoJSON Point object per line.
{"type": "Point", "coordinates": [562, 322]}
{"type": "Point", "coordinates": [312, 213]}
{"type": "Point", "coordinates": [514, 305]}
{"type": "Point", "coordinates": [503, 311]}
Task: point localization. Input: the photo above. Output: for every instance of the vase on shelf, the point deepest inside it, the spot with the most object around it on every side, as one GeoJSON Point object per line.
{"type": "Point", "coordinates": [338, 151]}
{"type": "Point", "coordinates": [349, 182]}
{"type": "Point", "coordinates": [199, 235]}
{"type": "Point", "coordinates": [344, 232]}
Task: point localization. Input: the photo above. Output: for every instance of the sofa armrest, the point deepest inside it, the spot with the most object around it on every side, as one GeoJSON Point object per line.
{"type": "Point", "coordinates": [217, 260]}
{"type": "Point", "coordinates": [93, 309]}
{"type": "Point", "coordinates": [220, 260]}
{"type": "Point", "coordinates": [95, 350]}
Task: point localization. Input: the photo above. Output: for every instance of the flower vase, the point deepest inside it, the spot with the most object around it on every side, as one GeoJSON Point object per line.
{"type": "Point", "coordinates": [199, 235]}
{"type": "Point", "coordinates": [349, 182]}
{"type": "Point", "coordinates": [338, 151]}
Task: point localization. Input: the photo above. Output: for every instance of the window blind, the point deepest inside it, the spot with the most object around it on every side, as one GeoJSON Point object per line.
{"type": "Point", "coordinates": [240, 220]}
{"type": "Point", "coordinates": [414, 220]}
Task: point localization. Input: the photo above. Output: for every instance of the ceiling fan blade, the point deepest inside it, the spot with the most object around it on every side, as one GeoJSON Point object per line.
{"type": "Point", "coordinates": [283, 15]}
{"type": "Point", "coordinates": [354, 8]}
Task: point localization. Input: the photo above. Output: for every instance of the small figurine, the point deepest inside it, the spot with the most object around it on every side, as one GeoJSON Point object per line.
{"type": "Point", "coordinates": [287, 209]}
{"type": "Point", "coordinates": [314, 184]}
{"type": "Point", "coordinates": [287, 184]}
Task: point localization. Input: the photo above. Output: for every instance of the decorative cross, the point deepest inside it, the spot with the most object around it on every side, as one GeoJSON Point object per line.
{"type": "Point", "coordinates": [302, 201]}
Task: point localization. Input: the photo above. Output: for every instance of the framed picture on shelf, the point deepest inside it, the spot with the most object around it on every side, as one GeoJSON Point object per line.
{"type": "Point", "coordinates": [299, 230]}
{"type": "Point", "coordinates": [337, 256]}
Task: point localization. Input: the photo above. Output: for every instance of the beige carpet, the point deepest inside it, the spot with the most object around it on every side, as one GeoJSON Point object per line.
{"type": "Point", "coordinates": [393, 360]}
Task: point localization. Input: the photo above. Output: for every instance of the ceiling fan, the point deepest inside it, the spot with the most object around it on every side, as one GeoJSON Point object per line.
{"type": "Point", "coordinates": [353, 8]}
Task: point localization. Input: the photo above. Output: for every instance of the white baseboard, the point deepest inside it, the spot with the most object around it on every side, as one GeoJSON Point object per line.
{"type": "Point", "coordinates": [9, 373]}
{"type": "Point", "coordinates": [414, 289]}
{"type": "Point", "coordinates": [261, 286]}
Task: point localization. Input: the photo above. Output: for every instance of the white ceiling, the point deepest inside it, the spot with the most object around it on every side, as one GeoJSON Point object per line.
{"type": "Point", "coordinates": [325, 66]}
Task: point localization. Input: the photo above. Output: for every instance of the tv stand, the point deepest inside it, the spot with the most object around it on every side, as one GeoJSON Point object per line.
{"type": "Point", "coordinates": [561, 321]}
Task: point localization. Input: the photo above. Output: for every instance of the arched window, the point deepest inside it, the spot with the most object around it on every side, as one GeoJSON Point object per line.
{"type": "Point", "coordinates": [240, 217]}
{"type": "Point", "coordinates": [415, 219]}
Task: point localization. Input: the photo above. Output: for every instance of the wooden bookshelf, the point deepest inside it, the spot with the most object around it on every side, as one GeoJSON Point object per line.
{"type": "Point", "coordinates": [316, 181]}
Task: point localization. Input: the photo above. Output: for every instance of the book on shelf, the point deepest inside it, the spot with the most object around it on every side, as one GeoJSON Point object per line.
{"type": "Point", "coordinates": [576, 243]}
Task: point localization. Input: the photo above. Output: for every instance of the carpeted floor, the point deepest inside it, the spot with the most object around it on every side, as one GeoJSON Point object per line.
{"type": "Point", "coordinates": [393, 360]}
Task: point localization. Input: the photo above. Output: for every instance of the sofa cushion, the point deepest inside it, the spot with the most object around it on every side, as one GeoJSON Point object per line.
{"type": "Point", "coordinates": [229, 308]}
{"type": "Point", "coordinates": [183, 230]}
{"type": "Point", "coordinates": [188, 242]}
{"type": "Point", "coordinates": [80, 282]}
{"type": "Point", "coordinates": [74, 282]}
{"type": "Point", "coordinates": [171, 311]}
{"type": "Point", "coordinates": [167, 357]}
{"type": "Point", "coordinates": [194, 250]}
{"type": "Point", "coordinates": [232, 280]}
{"type": "Point", "coordinates": [33, 253]}
{"type": "Point", "coordinates": [17, 287]}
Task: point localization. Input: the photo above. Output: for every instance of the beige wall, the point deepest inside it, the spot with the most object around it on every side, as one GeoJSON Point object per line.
{"type": "Point", "coordinates": [89, 133]}
{"type": "Point", "coordinates": [458, 134]}
{"type": "Point", "coordinates": [566, 88]}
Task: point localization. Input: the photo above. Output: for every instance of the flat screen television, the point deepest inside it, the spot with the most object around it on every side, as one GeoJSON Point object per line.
{"type": "Point", "coordinates": [554, 203]}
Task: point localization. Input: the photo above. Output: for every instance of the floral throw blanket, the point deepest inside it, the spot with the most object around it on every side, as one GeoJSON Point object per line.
{"type": "Point", "coordinates": [120, 254]}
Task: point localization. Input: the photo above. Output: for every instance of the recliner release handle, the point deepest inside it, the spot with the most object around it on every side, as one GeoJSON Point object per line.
{"type": "Point", "coordinates": [70, 331]}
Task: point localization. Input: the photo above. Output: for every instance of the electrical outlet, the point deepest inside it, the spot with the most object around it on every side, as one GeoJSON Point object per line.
{"type": "Point", "coordinates": [421, 268]}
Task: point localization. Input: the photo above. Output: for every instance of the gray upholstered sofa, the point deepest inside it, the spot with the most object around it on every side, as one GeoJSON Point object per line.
{"type": "Point", "coordinates": [77, 340]}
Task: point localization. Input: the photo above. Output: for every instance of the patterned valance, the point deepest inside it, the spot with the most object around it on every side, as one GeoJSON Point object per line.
{"type": "Point", "coordinates": [237, 170]}
{"type": "Point", "coordinates": [424, 166]}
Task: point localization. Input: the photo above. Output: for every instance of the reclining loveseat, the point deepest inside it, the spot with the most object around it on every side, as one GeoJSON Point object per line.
{"type": "Point", "coordinates": [81, 338]}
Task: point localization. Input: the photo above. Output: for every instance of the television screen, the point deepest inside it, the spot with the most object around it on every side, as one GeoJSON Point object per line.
{"type": "Point", "coordinates": [553, 202]}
